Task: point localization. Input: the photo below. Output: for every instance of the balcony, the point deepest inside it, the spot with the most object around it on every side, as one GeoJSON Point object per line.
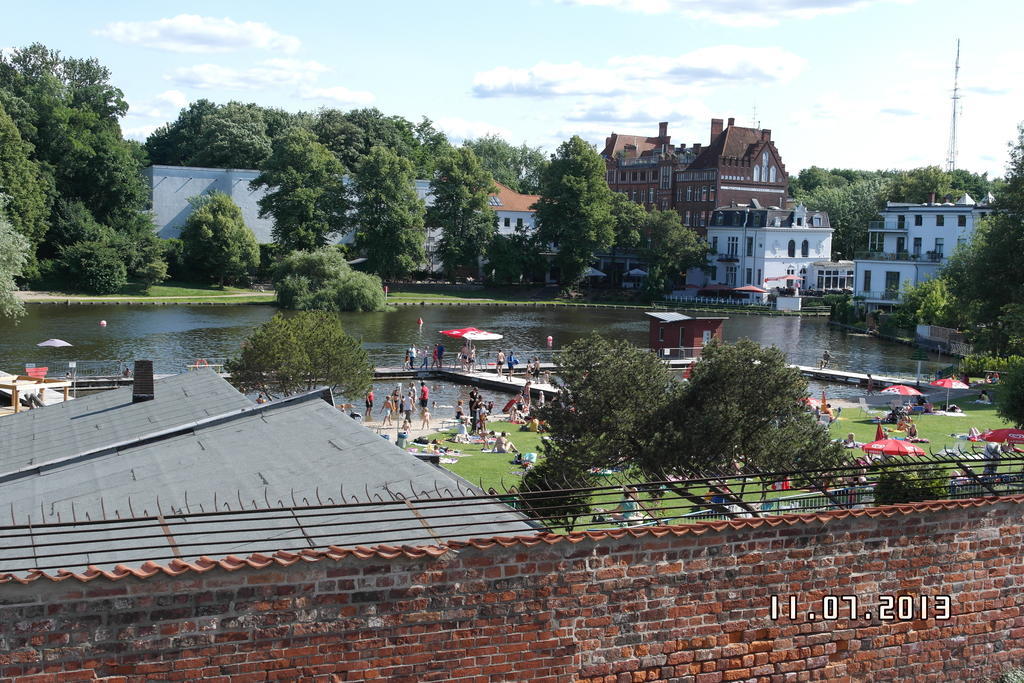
{"type": "Point", "coordinates": [926, 257]}
{"type": "Point", "coordinates": [640, 161]}
{"type": "Point", "coordinates": [731, 258]}
{"type": "Point", "coordinates": [880, 226]}
{"type": "Point", "coordinates": [888, 295]}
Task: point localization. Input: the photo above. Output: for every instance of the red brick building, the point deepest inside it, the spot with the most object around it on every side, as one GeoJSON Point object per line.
{"type": "Point", "coordinates": [738, 164]}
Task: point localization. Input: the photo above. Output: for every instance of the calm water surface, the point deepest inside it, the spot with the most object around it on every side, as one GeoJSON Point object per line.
{"type": "Point", "coordinates": [174, 335]}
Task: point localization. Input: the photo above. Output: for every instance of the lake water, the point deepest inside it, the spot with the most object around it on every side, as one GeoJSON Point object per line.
{"type": "Point", "coordinates": [175, 335]}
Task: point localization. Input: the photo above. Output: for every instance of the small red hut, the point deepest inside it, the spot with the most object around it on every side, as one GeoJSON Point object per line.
{"type": "Point", "coordinates": [675, 335]}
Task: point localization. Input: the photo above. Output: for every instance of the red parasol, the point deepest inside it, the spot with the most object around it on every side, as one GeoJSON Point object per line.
{"type": "Point", "coordinates": [902, 390]}
{"type": "Point", "coordinates": [1006, 435]}
{"type": "Point", "coordinates": [891, 447]}
{"type": "Point", "coordinates": [471, 333]}
{"type": "Point", "coordinates": [948, 383]}
{"type": "Point", "coordinates": [879, 433]}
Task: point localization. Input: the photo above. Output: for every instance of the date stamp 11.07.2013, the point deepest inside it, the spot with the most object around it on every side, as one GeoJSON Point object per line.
{"type": "Point", "coordinates": [853, 608]}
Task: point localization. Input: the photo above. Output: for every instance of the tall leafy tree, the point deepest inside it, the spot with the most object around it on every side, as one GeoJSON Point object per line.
{"type": "Point", "coordinates": [629, 222]}
{"type": "Point", "coordinates": [301, 352]}
{"type": "Point", "coordinates": [23, 183]}
{"type": "Point", "coordinates": [670, 249]}
{"type": "Point", "coordinates": [336, 132]}
{"type": "Point", "coordinates": [431, 146]}
{"type": "Point", "coordinates": [15, 250]}
{"type": "Point", "coordinates": [233, 136]}
{"type": "Point", "coordinates": [217, 244]}
{"type": "Point", "coordinates": [987, 276]}
{"type": "Point", "coordinates": [575, 208]}
{"type": "Point", "coordinates": [176, 143]}
{"type": "Point", "coordinates": [461, 209]}
{"type": "Point", "coordinates": [850, 208]}
{"type": "Point", "coordinates": [322, 280]}
{"type": "Point", "coordinates": [389, 214]}
{"type": "Point", "coordinates": [306, 194]}
{"type": "Point", "coordinates": [520, 168]}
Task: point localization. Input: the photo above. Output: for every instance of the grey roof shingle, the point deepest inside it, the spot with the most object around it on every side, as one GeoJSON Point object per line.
{"type": "Point", "coordinates": [36, 436]}
{"type": "Point", "coordinates": [297, 453]}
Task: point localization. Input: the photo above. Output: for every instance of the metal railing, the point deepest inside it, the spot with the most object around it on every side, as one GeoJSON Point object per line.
{"type": "Point", "coordinates": [926, 257]}
{"type": "Point", "coordinates": [881, 225]}
{"type": "Point", "coordinates": [717, 301]}
{"type": "Point", "coordinates": [118, 368]}
{"type": "Point", "coordinates": [886, 295]}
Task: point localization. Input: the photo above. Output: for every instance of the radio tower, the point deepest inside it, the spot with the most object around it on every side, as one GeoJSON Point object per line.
{"type": "Point", "coordinates": [951, 152]}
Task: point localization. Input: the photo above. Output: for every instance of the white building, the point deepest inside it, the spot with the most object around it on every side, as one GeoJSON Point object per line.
{"type": "Point", "coordinates": [753, 246]}
{"type": "Point", "coordinates": [911, 243]}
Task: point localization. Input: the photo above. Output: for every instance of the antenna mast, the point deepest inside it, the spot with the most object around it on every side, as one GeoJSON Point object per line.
{"type": "Point", "coordinates": [951, 152]}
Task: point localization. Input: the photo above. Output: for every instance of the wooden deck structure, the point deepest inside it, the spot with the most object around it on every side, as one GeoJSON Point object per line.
{"type": "Point", "coordinates": [20, 385]}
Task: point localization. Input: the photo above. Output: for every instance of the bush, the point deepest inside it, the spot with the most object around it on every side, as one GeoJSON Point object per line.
{"type": "Point", "coordinates": [976, 365]}
{"type": "Point", "coordinates": [174, 255]}
{"type": "Point", "coordinates": [895, 486]}
{"type": "Point", "coordinates": [94, 267]}
{"type": "Point", "coordinates": [322, 280]}
{"type": "Point", "coordinates": [270, 253]}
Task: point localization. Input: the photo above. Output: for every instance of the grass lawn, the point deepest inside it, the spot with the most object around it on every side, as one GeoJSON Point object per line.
{"type": "Point", "coordinates": [173, 292]}
{"type": "Point", "coordinates": [496, 469]}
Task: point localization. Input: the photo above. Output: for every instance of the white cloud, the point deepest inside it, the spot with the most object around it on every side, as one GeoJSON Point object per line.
{"type": "Point", "coordinates": [736, 12]}
{"type": "Point", "coordinates": [139, 133]}
{"type": "Point", "coordinates": [703, 68]}
{"type": "Point", "coordinates": [268, 73]}
{"type": "Point", "coordinates": [631, 109]}
{"type": "Point", "coordinates": [459, 129]}
{"type": "Point", "coordinates": [194, 33]}
{"type": "Point", "coordinates": [338, 95]}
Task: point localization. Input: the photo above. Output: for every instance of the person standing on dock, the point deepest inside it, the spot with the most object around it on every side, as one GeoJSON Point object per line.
{"type": "Point", "coordinates": [499, 361]}
{"type": "Point", "coordinates": [825, 358]}
{"type": "Point", "coordinates": [511, 362]}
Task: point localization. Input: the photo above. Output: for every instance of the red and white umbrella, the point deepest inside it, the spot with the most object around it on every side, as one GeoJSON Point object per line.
{"type": "Point", "coordinates": [948, 383]}
{"type": "Point", "coordinates": [1007, 435]}
{"type": "Point", "coordinates": [472, 334]}
{"type": "Point", "coordinates": [902, 390]}
{"type": "Point", "coordinates": [891, 447]}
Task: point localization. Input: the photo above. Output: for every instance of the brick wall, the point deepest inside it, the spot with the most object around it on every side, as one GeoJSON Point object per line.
{"type": "Point", "coordinates": [669, 605]}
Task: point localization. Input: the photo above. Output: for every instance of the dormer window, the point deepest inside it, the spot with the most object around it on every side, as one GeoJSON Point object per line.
{"type": "Point", "coordinates": [817, 221]}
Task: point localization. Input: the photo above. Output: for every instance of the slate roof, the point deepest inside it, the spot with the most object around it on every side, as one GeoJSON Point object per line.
{"type": "Point", "coordinates": [285, 476]}
{"type": "Point", "coordinates": [667, 316]}
{"type": "Point", "coordinates": [735, 141]}
{"type": "Point", "coordinates": [36, 436]}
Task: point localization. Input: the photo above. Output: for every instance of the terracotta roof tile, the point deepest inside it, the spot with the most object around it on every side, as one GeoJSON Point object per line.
{"type": "Point", "coordinates": [389, 552]}
{"type": "Point", "coordinates": [512, 200]}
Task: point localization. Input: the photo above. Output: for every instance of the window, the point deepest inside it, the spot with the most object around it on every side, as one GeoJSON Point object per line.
{"type": "Point", "coordinates": [757, 174]}
{"type": "Point", "coordinates": [892, 283]}
{"type": "Point", "coordinates": [719, 218]}
{"type": "Point", "coordinates": [757, 220]}
{"type": "Point", "coordinates": [711, 194]}
{"type": "Point", "coordinates": [750, 246]}
{"type": "Point", "coordinates": [759, 280]}
{"type": "Point", "coordinates": [623, 176]}
{"type": "Point", "coordinates": [730, 276]}
{"type": "Point", "coordinates": [519, 222]}
{"type": "Point", "coordinates": [960, 241]}
{"type": "Point", "coordinates": [805, 248]}
{"type": "Point", "coordinates": [714, 273]}
{"type": "Point", "coordinates": [938, 246]}
{"type": "Point", "coordinates": [650, 195]}
{"type": "Point", "coordinates": [876, 242]}
{"type": "Point", "coordinates": [737, 218]}
{"type": "Point", "coordinates": [661, 333]}
{"type": "Point", "coordinates": [714, 244]}
{"type": "Point", "coordinates": [817, 221]}
{"type": "Point", "coordinates": [689, 193]}
{"type": "Point", "coordinates": [636, 176]}
{"type": "Point", "coordinates": [792, 248]}
{"type": "Point", "coordinates": [679, 194]}
{"type": "Point", "coordinates": [940, 220]}
{"type": "Point", "coordinates": [703, 218]}
{"type": "Point", "coordinates": [901, 222]}
{"type": "Point", "coordinates": [666, 177]}
{"type": "Point", "coordinates": [749, 276]}
{"type": "Point", "coordinates": [508, 222]}
{"type": "Point", "coordinates": [686, 218]}
{"type": "Point", "coordinates": [704, 194]}
{"type": "Point", "coordinates": [790, 270]}
{"type": "Point", "coordinates": [664, 204]}
{"type": "Point", "coordinates": [771, 175]}
{"type": "Point", "coordinates": [918, 219]}
{"type": "Point", "coordinates": [867, 280]}
{"type": "Point", "coordinates": [632, 196]}
{"type": "Point", "coordinates": [917, 246]}
{"type": "Point", "coordinates": [961, 221]}
{"type": "Point", "coordinates": [734, 246]}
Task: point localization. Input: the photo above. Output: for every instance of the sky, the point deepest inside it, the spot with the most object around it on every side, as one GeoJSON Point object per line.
{"type": "Point", "coordinates": [841, 83]}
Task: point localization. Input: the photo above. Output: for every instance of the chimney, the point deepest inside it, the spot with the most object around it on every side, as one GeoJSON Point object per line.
{"type": "Point", "coordinates": [696, 148]}
{"type": "Point", "coordinates": [732, 122]}
{"type": "Point", "coordinates": [663, 129]}
{"type": "Point", "coordinates": [716, 129]}
{"type": "Point", "coordinates": [142, 387]}
{"type": "Point", "coordinates": [766, 134]}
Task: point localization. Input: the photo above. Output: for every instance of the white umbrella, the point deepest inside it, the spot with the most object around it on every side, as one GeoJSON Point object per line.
{"type": "Point", "coordinates": [636, 272]}
{"type": "Point", "coordinates": [593, 272]}
{"type": "Point", "coordinates": [53, 342]}
{"type": "Point", "coordinates": [482, 336]}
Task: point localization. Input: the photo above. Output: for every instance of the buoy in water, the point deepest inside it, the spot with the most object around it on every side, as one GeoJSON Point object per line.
{"type": "Point", "coordinates": [551, 340]}
{"type": "Point", "coordinates": [420, 320]}
{"type": "Point", "coordinates": [103, 323]}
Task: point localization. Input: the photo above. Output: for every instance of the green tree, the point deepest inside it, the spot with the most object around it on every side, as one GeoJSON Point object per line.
{"type": "Point", "coordinates": [341, 136]}
{"type": "Point", "coordinates": [322, 280]}
{"type": "Point", "coordinates": [927, 303]}
{"type": "Point", "coordinates": [233, 136]}
{"type": "Point", "coordinates": [431, 146]}
{"type": "Point", "coordinates": [918, 184]}
{"type": "Point", "coordinates": [177, 143]}
{"type": "Point", "coordinates": [903, 486]}
{"type": "Point", "coordinates": [630, 219]}
{"type": "Point", "coordinates": [23, 183]}
{"type": "Point", "coordinates": [986, 276]}
{"type": "Point", "coordinates": [513, 259]}
{"type": "Point", "coordinates": [299, 353]}
{"type": "Point", "coordinates": [306, 193]}
{"type": "Point", "coordinates": [389, 214]}
{"type": "Point", "coordinates": [670, 249]}
{"type": "Point", "coordinates": [461, 209]}
{"type": "Point", "coordinates": [94, 267]}
{"type": "Point", "coordinates": [217, 244]}
{"type": "Point", "coordinates": [1010, 396]}
{"type": "Point", "coordinates": [850, 208]}
{"type": "Point", "coordinates": [575, 208]}
{"type": "Point", "coordinates": [519, 168]}
{"type": "Point", "coordinates": [15, 250]}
